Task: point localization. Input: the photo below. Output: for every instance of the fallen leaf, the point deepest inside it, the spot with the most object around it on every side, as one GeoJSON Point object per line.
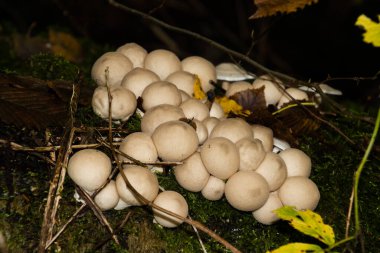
{"type": "Point", "coordinates": [267, 8]}
{"type": "Point", "coordinates": [372, 30]}
{"type": "Point", "coordinates": [298, 247]}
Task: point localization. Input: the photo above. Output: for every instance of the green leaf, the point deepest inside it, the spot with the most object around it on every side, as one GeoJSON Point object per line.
{"type": "Point", "coordinates": [307, 222]}
{"type": "Point", "coordinates": [298, 248]}
{"type": "Point", "coordinates": [372, 34]}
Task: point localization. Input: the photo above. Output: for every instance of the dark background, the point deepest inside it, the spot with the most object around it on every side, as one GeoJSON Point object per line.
{"type": "Point", "coordinates": [315, 43]}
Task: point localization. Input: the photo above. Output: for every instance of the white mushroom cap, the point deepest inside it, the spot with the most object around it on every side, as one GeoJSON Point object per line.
{"type": "Point", "coordinates": [265, 214]}
{"type": "Point", "coordinates": [135, 53]}
{"type": "Point", "coordinates": [203, 68]}
{"type": "Point", "coordinates": [121, 205]}
{"type": "Point", "coordinates": [118, 66]}
{"type": "Point", "coordinates": [160, 92]}
{"type": "Point", "coordinates": [273, 169]}
{"type": "Point", "coordinates": [142, 180]}
{"type": "Point", "coordinates": [183, 80]}
{"type": "Point", "coordinates": [216, 110]}
{"type": "Point", "coordinates": [220, 157]}
{"type": "Point", "coordinates": [233, 129]}
{"type": "Point", "coordinates": [158, 115]}
{"type": "Point", "coordinates": [140, 146]}
{"type": "Point", "coordinates": [210, 123]}
{"type": "Point", "coordinates": [297, 94]}
{"type": "Point", "coordinates": [175, 140]}
{"type": "Point", "coordinates": [297, 162]}
{"type": "Point", "coordinates": [251, 153]}
{"type": "Point", "coordinates": [171, 201]}
{"type": "Point", "coordinates": [279, 145]}
{"type": "Point", "coordinates": [231, 72]}
{"type": "Point", "coordinates": [236, 87]}
{"type": "Point", "coordinates": [162, 62]}
{"type": "Point", "coordinates": [300, 192]}
{"type": "Point", "coordinates": [272, 92]}
{"type": "Point", "coordinates": [108, 197]}
{"type": "Point", "coordinates": [201, 131]}
{"type": "Point", "coordinates": [193, 108]}
{"type": "Point", "coordinates": [184, 95]}
{"type": "Point", "coordinates": [138, 79]}
{"type": "Point", "coordinates": [192, 174]}
{"type": "Point", "coordinates": [89, 168]}
{"type": "Point", "coordinates": [265, 135]}
{"type": "Point", "coordinates": [246, 190]}
{"type": "Point", "coordinates": [122, 107]}
{"type": "Point", "coordinates": [214, 189]}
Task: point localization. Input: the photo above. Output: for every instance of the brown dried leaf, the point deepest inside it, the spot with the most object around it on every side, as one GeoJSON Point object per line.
{"type": "Point", "coordinates": [251, 100]}
{"type": "Point", "coordinates": [267, 8]}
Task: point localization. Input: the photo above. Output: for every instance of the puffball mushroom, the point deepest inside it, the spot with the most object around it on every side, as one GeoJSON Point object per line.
{"type": "Point", "coordinates": [273, 169]}
{"type": "Point", "coordinates": [236, 87]}
{"type": "Point", "coordinates": [220, 157]}
{"type": "Point", "coordinates": [138, 79]}
{"type": "Point", "coordinates": [201, 131]}
{"type": "Point", "coordinates": [135, 53]}
{"type": "Point", "coordinates": [192, 175]}
{"type": "Point", "coordinates": [158, 115]}
{"type": "Point", "coordinates": [142, 180]}
{"type": "Point", "coordinates": [118, 66]}
{"type": "Point", "coordinates": [162, 62]}
{"type": "Point", "coordinates": [173, 202]}
{"type": "Point", "coordinates": [300, 192]}
{"type": "Point", "coordinates": [121, 205]}
{"type": "Point", "coordinates": [246, 190]}
{"type": "Point", "coordinates": [193, 108]}
{"type": "Point", "coordinates": [272, 92]}
{"type": "Point", "coordinates": [233, 129]}
{"type": "Point", "coordinates": [89, 168]}
{"type": "Point", "coordinates": [140, 146]}
{"type": "Point", "coordinates": [108, 197]}
{"type": "Point", "coordinates": [251, 153]}
{"type": "Point", "coordinates": [297, 162]}
{"type": "Point", "coordinates": [122, 107]}
{"type": "Point", "coordinates": [296, 94]}
{"type": "Point", "coordinates": [214, 189]}
{"type": "Point", "coordinates": [210, 123]}
{"type": "Point", "coordinates": [203, 68]}
{"type": "Point", "coordinates": [175, 140]}
{"type": "Point", "coordinates": [183, 80]}
{"type": "Point", "coordinates": [265, 214]}
{"type": "Point", "coordinates": [160, 92]}
{"type": "Point", "coordinates": [265, 135]}
{"type": "Point", "coordinates": [216, 111]}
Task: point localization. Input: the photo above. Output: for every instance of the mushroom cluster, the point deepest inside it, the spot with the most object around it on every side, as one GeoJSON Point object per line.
{"type": "Point", "coordinates": [217, 156]}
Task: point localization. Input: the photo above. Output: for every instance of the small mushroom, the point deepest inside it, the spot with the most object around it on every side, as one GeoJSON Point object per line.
{"type": "Point", "coordinates": [300, 192]}
{"type": "Point", "coordinates": [279, 145]}
{"type": "Point", "coordinates": [233, 129]}
{"type": "Point", "coordinates": [201, 131]}
{"type": "Point", "coordinates": [138, 79]}
{"type": "Point", "coordinates": [118, 66]}
{"type": "Point", "coordinates": [246, 190]}
{"type": "Point", "coordinates": [251, 153]}
{"type": "Point", "coordinates": [203, 68]}
{"type": "Point", "coordinates": [265, 135]}
{"type": "Point", "coordinates": [214, 189]}
{"type": "Point", "coordinates": [183, 80]}
{"type": "Point", "coordinates": [265, 214]}
{"type": "Point", "coordinates": [140, 146]}
{"type": "Point", "coordinates": [160, 92]}
{"type": "Point", "coordinates": [121, 205]}
{"type": "Point", "coordinates": [122, 107]}
{"type": "Point", "coordinates": [193, 108]}
{"type": "Point", "coordinates": [89, 168]}
{"type": "Point", "coordinates": [192, 175]}
{"type": "Point", "coordinates": [108, 197]}
{"type": "Point", "coordinates": [236, 87]}
{"type": "Point", "coordinates": [135, 53]}
{"type": "Point", "coordinates": [297, 162]}
{"type": "Point", "coordinates": [162, 62]}
{"type": "Point", "coordinates": [175, 140]}
{"type": "Point", "coordinates": [231, 72]}
{"type": "Point", "coordinates": [173, 202]}
{"type": "Point", "coordinates": [142, 180]}
{"type": "Point", "coordinates": [158, 115]}
{"type": "Point", "coordinates": [220, 157]}
{"type": "Point", "coordinates": [295, 93]}
{"type": "Point", "coordinates": [216, 111]}
{"type": "Point", "coordinates": [210, 123]}
{"type": "Point", "coordinates": [272, 92]}
{"type": "Point", "coordinates": [273, 169]}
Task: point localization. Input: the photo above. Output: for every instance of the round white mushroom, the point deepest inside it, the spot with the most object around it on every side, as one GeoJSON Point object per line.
{"type": "Point", "coordinates": [236, 87]}
{"type": "Point", "coordinates": [138, 79]}
{"type": "Point", "coordinates": [265, 214]}
{"type": "Point", "coordinates": [162, 62]}
{"type": "Point", "coordinates": [217, 111]}
{"type": "Point", "coordinates": [296, 94]}
{"type": "Point", "coordinates": [251, 153]}
{"type": "Point", "coordinates": [233, 129]}
{"type": "Point", "coordinates": [272, 92]}
{"type": "Point", "coordinates": [121, 205]}
{"type": "Point", "coordinates": [160, 92]}
{"type": "Point", "coordinates": [201, 131]}
{"type": "Point", "coordinates": [273, 169]}
{"type": "Point", "coordinates": [203, 68]}
{"type": "Point", "coordinates": [135, 53]}
{"type": "Point", "coordinates": [297, 162]}
{"type": "Point", "coordinates": [139, 146]}
{"type": "Point", "coordinates": [210, 123]}
{"type": "Point", "coordinates": [183, 80]}
{"type": "Point", "coordinates": [89, 168]}
{"type": "Point", "coordinates": [108, 197]}
{"type": "Point", "coordinates": [195, 109]}
{"type": "Point", "coordinates": [265, 135]}
{"type": "Point", "coordinates": [214, 189]}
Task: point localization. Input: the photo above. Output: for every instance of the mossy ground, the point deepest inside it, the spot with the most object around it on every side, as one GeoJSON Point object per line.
{"type": "Point", "coordinates": [25, 184]}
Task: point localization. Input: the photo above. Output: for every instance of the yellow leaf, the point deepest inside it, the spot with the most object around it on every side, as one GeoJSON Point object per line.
{"type": "Point", "coordinates": [230, 105]}
{"type": "Point", "coordinates": [65, 45]}
{"type": "Point", "coordinates": [372, 30]}
{"type": "Point", "coordinates": [198, 92]}
{"type": "Point", "coordinates": [307, 222]}
{"type": "Point", "coordinates": [267, 8]}
{"type": "Point", "coordinates": [298, 248]}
